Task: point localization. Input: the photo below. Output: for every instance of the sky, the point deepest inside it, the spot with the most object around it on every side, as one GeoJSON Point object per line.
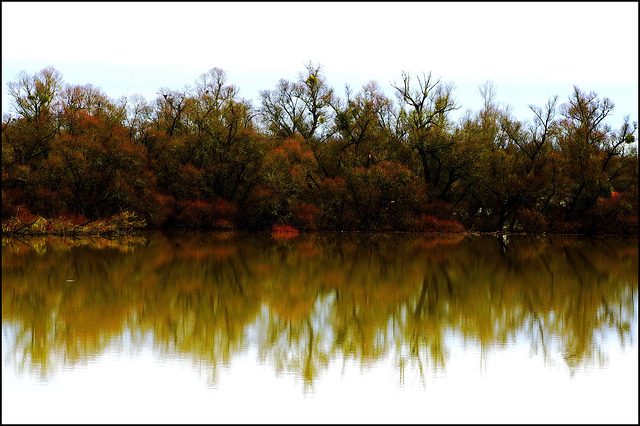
{"type": "Point", "coordinates": [530, 51]}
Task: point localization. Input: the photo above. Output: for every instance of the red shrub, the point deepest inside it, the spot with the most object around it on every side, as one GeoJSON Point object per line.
{"type": "Point", "coordinates": [201, 214]}
{"type": "Point", "coordinates": [428, 223]}
{"type": "Point", "coordinates": [283, 232]}
{"type": "Point", "coordinates": [194, 214]}
{"type": "Point", "coordinates": [307, 215]}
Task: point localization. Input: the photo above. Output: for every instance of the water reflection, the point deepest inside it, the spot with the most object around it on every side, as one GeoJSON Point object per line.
{"type": "Point", "coordinates": [313, 300]}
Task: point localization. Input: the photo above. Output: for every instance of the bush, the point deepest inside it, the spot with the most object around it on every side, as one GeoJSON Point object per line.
{"type": "Point", "coordinates": [532, 221]}
{"type": "Point", "coordinates": [284, 232]}
{"type": "Point", "coordinates": [428, 223]}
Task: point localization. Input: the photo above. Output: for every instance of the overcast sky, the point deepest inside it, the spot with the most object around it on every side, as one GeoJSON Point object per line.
{"type": "Point", "coordinates": [531, 51]}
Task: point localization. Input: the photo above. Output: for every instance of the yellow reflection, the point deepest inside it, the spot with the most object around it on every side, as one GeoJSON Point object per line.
{"type": "Point", "coordinates": [316, 298]}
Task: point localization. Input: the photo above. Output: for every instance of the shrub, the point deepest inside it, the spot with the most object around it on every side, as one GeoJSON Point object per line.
{"type": "Point", "coordinates": [428, 223]}
{"type": "Point", "coordinates": [284, 232]}
{"type": "Point", "coordinates": [532, 221]}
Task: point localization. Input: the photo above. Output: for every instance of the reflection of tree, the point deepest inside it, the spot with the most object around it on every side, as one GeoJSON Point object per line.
{"type": "Point", "coordinates": [294, 344]}
{"type": "Point", "coordinates": [316, 299]}
{"type": "Point", "coordinates": [425, 323]}
{"type": "Point", "coordinates": [58, 300]}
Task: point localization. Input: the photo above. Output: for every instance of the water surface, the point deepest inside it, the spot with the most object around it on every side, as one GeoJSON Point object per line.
{"type": "Point", "coordinates": [394, 328]}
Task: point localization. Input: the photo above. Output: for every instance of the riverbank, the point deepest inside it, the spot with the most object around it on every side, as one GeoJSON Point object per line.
{"type": "Point", "coordinates": [27, 224]}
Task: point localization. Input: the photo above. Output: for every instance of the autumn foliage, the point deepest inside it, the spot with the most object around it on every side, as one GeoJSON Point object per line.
{"type": "Point", "coordinates": [284, 232]}
{"type": "Point", "coordinates": [203, 158]}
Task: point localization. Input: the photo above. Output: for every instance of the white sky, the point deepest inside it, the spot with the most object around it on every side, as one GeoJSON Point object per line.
{"type": "Point", "coordinates": [531, 51]}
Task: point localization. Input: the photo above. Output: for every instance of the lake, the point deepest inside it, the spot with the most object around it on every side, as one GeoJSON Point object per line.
{"type": "Point", "coordinates": [197, 327]}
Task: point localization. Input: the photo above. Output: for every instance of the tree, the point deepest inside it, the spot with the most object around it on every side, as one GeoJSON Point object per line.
{"type": "Point", "coordinates": [484, 166]}
{"type": "Point", "coordinates": [33, 96]}
{"type": "Point", "coordinates": [363, 129]}
{"type": "Point", "coordinates": [138, 117]}
{"type": "Point", "coordinates": [384, 195]}
{"type": "Point", "coordinates": [286, 183]}
{"type": "Point", "coordinates": [99, 169]}
{"type": "Point", "coordinates": [533, 178]}
{"type": "Point", "coordinates": [27, 139]}
{"type": "Point", "coordinates": [424, 111]}
{"type": "Point", "coordinates": [79, 101]}
{"type": "Point", "coordinates": [170, 106]}
{"type": "Point", "coordinates": [224, 139]}
{"type": "Point", "coordinates": [301, 108]}
{"type": "Point", "coordinates": [583, 137]}
{"type": "Point", "coordinates": [34, 99]}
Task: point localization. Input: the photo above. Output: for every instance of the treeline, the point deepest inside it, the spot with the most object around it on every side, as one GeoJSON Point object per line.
{"type": "Point", "coordinates": [203, 157]}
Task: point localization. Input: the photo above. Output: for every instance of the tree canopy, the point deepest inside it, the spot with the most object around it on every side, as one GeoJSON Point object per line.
{"type": "Point", "coordinates": [202, 157]}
